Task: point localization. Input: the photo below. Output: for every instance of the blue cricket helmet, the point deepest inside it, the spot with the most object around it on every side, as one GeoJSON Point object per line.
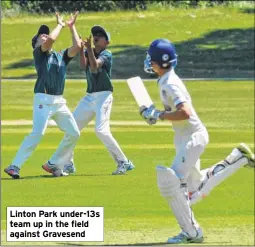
{"type": "Point", "coordinates": [161, 51]}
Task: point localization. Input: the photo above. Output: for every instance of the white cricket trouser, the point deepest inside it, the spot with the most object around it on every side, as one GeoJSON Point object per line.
{"type": "Point", "coordinates": [186, 163]}
{"type": "Point", "coordinates": [99, 104]}
{"type": "Point", "coordinates": [46, 107]}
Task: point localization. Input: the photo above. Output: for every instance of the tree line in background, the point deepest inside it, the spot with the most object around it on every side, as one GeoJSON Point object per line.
{"type": "Point", "coordinates": [49, 6]}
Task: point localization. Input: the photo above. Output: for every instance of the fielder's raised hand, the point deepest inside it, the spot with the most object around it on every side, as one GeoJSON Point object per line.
{"type": "Point", "coordinates": [72, 19]}
{"type": "Point", "coordinates": [60, 20]}
{"type": "Point", "coordinates": [87, 42]}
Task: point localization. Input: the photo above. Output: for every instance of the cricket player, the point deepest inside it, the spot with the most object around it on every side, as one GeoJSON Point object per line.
{"type": "Point", "coordinates": [48, 98]}
{"type": "Point", "coordinates": [97, 64]}
{"type": "Point", "coordinates": [190, 140]}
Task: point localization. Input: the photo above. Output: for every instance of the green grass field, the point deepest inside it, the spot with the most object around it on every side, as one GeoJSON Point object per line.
{"type": "Point", "coordinates": [210, 42]}
{"type": "Point", "coordinates": [134, 210]}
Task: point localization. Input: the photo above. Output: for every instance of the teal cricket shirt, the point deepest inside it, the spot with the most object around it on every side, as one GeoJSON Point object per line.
{"type": "Point", "coordinates": [51, 71]}
{"type": "Point", "coordinates": [101, 79]}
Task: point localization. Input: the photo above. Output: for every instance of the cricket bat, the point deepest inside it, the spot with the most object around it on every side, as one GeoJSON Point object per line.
{"type": "Point", "coordinates": [139, 92]}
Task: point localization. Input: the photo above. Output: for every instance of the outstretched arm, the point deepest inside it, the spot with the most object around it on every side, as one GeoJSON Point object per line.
{"type": "Point", "coordinates": [76, 47]}
{"type": "Point", "coordinates": [47, 45]}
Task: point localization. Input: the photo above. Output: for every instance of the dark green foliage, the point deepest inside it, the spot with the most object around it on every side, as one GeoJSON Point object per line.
{"type": "Point", "coordinates": [49, 6]}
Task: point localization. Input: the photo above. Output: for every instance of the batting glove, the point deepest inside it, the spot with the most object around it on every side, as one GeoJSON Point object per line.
{"type": "Point", "coordinates": [151, 115]}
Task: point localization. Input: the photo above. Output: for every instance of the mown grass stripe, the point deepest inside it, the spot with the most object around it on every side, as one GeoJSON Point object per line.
{"type": "Point", "coordinates": [52, 123]}
{"type": "Point", "coordinates": [120, 123]}
{"type": "Point", "coordinates": [126, 146]}
{"type": "Point", "coordinates": [54, 130]}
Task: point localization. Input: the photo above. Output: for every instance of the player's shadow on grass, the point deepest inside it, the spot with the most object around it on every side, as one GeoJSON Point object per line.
{"type": "Point", "coordinates": [146, 244]}
{"type": "Point", "coordinates": [30, 177]}
{"type": "Point", "coordinates": [25, 63]}
{"type": "Point", "coordinates": [50, 176]}
{"type": "Point", "coordinates": [138, 244]}
{"type": "Point", "coordinates": [248, 10]}
{"type": "Point", "coordinates": [220, 53]}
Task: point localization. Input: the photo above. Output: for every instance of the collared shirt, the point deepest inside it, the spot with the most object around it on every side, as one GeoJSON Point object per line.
{"type": "Point", "coordinates": [173, 92]}
{"type": "Point", "coordinates": [51, 71]}
{"type": "Point", "coordinates": [101, 79]}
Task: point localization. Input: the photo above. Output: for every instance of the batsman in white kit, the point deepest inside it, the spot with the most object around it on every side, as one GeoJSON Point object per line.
{"type": "Point", "coordinates": [97, 65]}
{"type": "Point", "coordinates": [183, 183]}
{"type": "Point", "coordinates": [48, 98]}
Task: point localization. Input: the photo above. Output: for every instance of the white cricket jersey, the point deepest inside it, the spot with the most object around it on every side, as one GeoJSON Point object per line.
{"type": "Point", "coordinates": [173, 92]}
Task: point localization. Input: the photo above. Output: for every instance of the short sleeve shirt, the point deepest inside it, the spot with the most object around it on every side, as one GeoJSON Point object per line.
{"type": "Point", "coordinates": [101, 79]}
{"type": "Point", "coordinates": [172, 93]}
{"type": "Point", "coordinates": [51, 71]}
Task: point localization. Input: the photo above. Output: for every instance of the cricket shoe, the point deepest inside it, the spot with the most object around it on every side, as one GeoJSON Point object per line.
{"type": "Point", "coordinates": [246, 152]}
{"type": "Point", "coordinates": [69, 168]}
{"type": "Point", "coordinates": [123, 167]}
{"type": "Point", "coordinates": [184, 238]}
{"type": "Point", "coordinates": [54, 170]}
{"type": "Point", "coordinates": [12, 171]}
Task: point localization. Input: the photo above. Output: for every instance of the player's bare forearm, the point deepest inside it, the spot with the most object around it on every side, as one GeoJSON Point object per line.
{"type": "Point", "coordinates": [47, 45]}
{"type": "Point", "coordinates": [92, 59]}
{"type": "Point", "coordinates": [75, 37]}
{"type": "Point", "coordinates": [182, 113]}
{"type": "Point", "coordinates": [56, 31]}
{"type": "Point", "coordinates": [72, 51]}
{"type": "Point", "coordinates": [174, 116]}
{"type": "Point", "coordinates": [83, 60]}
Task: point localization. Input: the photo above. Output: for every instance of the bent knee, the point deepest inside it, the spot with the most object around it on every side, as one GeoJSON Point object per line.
{"type": "Point", "coordinates": [76, 134]}
{"type": "Point", "coordinates": [168, 182]}
{"type": "Point", "coordinates": [100, 132]}
{"type": "Point", "coordinates": [73, 134]}
{"type": "Point", "coordinates": [36, 134]}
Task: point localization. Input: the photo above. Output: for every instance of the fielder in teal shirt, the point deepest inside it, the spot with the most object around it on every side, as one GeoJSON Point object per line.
{"type": "Point", "coordinates": [97, 64]}
{"type": "Point", "coordinates": [100, 80]}
{"type": "Point", "coordinates": [51, 71]}
{"type": "Point", "coordinates": [49, 102]}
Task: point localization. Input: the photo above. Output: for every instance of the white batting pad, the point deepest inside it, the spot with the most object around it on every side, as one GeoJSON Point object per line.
{"type": "Point", "coordinates": [139, 92]}
{"type": "Point", "coordinates": [176, 195]}
{"type": "Point", "coordinates": [216, 179]}
{"type": "Point", "coordinates": [168, 183]}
